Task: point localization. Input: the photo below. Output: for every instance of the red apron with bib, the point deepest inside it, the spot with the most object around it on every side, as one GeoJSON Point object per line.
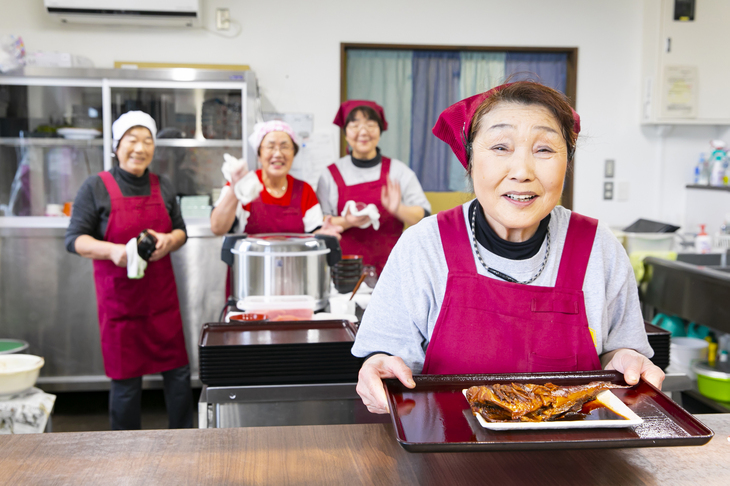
{"type": "Point", "coordinates": [492, 326]}
{"type": "Point", "coordinates": [271, 218]}
{"type": "Point", "coordinates": [140, 323]}
{"type": "Point", "coordinates": [374, 246]}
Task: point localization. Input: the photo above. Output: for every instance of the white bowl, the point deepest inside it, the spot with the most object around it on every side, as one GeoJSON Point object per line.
{"type": "Point", "coordinates": [18, 372]}
{"type": "Point", "coordinates": [684, 351]}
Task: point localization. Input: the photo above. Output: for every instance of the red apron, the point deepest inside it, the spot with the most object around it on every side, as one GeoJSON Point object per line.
{"type": "Point", "coordinates": [271, 218]}
{"type": "Point", "coordinates": [374, 246]}
{"type": "Point", "coordinates": [140, 323]}
{"type": "Point", "coordinates": [492, 326]}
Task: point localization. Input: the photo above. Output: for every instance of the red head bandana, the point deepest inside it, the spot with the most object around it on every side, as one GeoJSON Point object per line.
{"type": "Point", "coordinates": [455, 121]}
{"type": "Point", "coordinates": [348, 106]}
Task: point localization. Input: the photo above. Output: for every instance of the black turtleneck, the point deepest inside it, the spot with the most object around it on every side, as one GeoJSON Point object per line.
{"type": "Point", "coordinates": [366, 164]}
{"type": "Point", "coordinates": [503, 248]}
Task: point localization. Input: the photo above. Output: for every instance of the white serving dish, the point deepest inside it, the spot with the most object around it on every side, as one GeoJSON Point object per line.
{"type": "Point", "coordinates": [684, 351]}
{"type": "Point", "coordinates": [278, 306]}
{"type": "Point", "coordinates": [78, 133]}
{"type": "Point", "coordinates": [18, 372]}
{"type": "Point", "coordinates": [611, 401]}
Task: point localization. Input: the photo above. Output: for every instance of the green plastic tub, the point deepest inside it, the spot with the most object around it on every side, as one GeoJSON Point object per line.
{"type": "Point", "coordinates": [12, 346]}
{"type": "Point", "coordinates": [713, 381]}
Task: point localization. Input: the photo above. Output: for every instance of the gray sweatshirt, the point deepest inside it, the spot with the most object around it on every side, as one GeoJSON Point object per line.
{"type": "Point", "coordinates": [405, 304]}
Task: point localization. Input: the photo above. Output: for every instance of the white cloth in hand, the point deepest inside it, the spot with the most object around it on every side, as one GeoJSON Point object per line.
{"type": "Point", "coordinates": [371, 210]}
{"type": "Point", "coordinates": [248, 188]}
{"type": "Point", "coordinates": [135, 264]}
{"type": "Point", "coordinates": [230, 165]}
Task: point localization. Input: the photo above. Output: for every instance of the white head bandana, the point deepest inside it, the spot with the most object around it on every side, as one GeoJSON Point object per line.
{"type": "Point", "coordinates": [129, 120]}
{"type": "Point", "coordinates": [260, 130]}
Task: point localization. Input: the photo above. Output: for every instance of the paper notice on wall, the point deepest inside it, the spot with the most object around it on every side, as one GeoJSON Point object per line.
{"type": "Point", "coordinates": [315, 154]}
{"type": "Point", "coordinates": [680, 92]}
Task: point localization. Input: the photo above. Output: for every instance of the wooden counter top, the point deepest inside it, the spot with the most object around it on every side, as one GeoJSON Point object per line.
{"type": "Point", "coordinates": [338, 454]}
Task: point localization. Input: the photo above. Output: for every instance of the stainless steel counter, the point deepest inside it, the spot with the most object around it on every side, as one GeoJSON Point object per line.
{"type": "Point", "coordinates": [277, 405]}
{"type": "Point", "coordinates": [47, 298]}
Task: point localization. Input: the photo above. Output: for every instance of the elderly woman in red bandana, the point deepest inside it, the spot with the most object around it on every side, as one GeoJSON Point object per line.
{"type": "Point", "coordinates": [386, 191]}
{"type": "Point", "coordinates": [511, 281]}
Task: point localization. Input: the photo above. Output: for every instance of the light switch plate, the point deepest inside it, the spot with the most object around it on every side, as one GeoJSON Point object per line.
{"type": "Point", "coordinates": [608, 190]}
{"type": "Point", "coordinates": [222, 19]}
{"type": "Point", "coordinates": [609, 168]}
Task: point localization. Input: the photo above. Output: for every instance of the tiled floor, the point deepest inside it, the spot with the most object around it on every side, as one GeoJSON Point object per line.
{"type": "Point", "coordinates": [89, 411]}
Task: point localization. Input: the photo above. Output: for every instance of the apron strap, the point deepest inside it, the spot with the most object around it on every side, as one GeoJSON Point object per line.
{"type": "Point", "coordinates": [337, 176]}
{"type": "Point", "coordinates": [384, 169]}
{"type": "Point", "coordinates": [455, 240]}
{"type": "Point", "coordinates": [155, 185]}
{"type": "Point", "coordinates": [111, 185]}
{"type": "Point", "coordinates": [576, 252]}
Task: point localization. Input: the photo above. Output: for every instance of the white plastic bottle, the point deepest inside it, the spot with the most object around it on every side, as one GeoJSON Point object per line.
{"type": "Point", "coordinates": [718, 171]}
{"type": "Point", "coordinates": [703, 241]}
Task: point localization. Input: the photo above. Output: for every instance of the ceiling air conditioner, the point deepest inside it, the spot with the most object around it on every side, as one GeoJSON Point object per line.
{"type": "Point", "coordinates": [169, 13]}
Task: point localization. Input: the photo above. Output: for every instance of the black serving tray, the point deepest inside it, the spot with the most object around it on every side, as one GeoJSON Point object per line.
{"type": "Point", "coordinates": [435, 417]}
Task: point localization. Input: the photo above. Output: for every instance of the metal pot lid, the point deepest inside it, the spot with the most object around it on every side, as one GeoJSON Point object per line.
{"type": "Point", "coordinates": [720, 371]}
{"type": "Point", "coordinates": [278, 243]}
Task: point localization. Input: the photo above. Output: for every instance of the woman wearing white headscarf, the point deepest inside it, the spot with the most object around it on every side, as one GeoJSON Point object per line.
{"type": "Point", "coordinates": [269, 200]}
{"type": "Point", "coordinates": [139, 318]}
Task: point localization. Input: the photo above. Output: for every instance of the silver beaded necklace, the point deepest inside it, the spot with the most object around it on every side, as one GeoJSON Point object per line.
{"type": "Point", "coordinates": [497, 273]}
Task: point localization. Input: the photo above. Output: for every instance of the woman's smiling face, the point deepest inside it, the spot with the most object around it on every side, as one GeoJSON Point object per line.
{"type": "Point", "coordinates": [518, 167]}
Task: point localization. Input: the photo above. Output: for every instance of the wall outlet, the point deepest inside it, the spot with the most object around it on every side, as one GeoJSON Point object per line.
{"type": "Point", "coordinates": [622, 190]}
{"type": "Point", "coordinates": [607, 190]}
{"type": "Point", "coordinates": [222, 19]}
{"type": "Point", "coordinates": [609, 168]}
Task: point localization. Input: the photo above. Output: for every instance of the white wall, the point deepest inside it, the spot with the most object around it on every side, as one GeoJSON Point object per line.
{"type": "Point", "coordinates": [294, 48]}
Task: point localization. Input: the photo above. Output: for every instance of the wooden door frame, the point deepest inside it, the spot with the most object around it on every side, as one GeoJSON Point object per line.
{"type": "Point", "coordinates": [570, 81]}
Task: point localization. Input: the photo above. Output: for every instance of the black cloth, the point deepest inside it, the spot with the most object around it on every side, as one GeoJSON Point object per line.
{"type": "Point", "coordinates": [92, 205]}
{"type": "Point", "coordinates": [503, 248]}
{"type": "Point", "coordinates": [367, 163]}
{"type": "Point", "coordinates": [125, 401]}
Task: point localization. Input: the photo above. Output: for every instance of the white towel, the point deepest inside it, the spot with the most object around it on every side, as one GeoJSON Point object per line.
{"type": "Point", "coordinates": [231, 164]}
{"type": "Point", "coordinates": [248, 188]}
{"type": "Point", "coordinates": [135, 264]}
{"type": "Point", "coordinates": [371, 210]}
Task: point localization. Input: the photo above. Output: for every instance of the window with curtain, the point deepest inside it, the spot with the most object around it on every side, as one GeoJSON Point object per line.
{"type": "Point", "coordinates": [415, 84]}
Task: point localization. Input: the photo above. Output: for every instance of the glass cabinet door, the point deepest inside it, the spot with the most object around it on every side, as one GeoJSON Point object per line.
{"type": "Point", "coordinates": [50, 142]}
{"type": "Point", "coordinates": [195, 127]}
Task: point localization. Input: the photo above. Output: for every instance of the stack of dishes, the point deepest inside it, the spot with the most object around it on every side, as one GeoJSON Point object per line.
{"type": "Point", "coordinates": [659, 340]}
{"type": "Point", "coordinates": [274, 353]}
{"type": "Point", "coordinates": [347, 272]}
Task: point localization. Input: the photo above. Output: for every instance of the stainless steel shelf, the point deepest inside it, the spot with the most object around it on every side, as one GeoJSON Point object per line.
{"type": "Point", "coordinates": [708, 188]}
{"type": "Point", "coordinates": [98, 142]}
{"type": "Point", "coordinates": [191, 142]}
{"type": "Point", "coordinates": [50, 142]}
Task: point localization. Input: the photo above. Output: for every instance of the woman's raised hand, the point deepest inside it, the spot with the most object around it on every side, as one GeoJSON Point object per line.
{"type": "Point", "coordinates": [370, 380]}
{"type": "Point", "coordinates": [390, 196]}
{"type": "Point", "coordinates": [238, 173]}
{"type": "Point", "coordinates": [329, 228]}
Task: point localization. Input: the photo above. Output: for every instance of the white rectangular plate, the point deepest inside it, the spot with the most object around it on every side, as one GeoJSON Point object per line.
{"type": "Point", "coordinates": [611, 401]}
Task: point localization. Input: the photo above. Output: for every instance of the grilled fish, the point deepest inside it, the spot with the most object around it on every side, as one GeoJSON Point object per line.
{"type": "Point", "coordinates": [528, 402]}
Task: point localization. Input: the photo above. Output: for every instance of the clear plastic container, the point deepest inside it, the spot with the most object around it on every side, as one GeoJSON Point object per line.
{"type": "Point", "coordinates": [280, 307]}
{"type": "Point", "coordinates": [648, 242]}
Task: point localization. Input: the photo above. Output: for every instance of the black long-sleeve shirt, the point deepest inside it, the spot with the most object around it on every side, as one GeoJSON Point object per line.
{"type": "Point", "coordinates": [92, 206]}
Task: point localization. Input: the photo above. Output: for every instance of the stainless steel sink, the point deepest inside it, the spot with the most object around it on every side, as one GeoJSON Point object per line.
{"type": "Point", "coordinates": [694, 292]}
{"type": "Point", "coordinates": [706, 259]}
